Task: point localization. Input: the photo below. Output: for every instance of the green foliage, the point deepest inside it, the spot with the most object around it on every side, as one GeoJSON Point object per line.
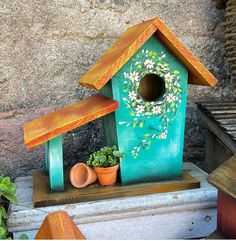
{"type": "Point", "coordinates": [7, 195]}
{"type": "Point", "coordinates": [105, 157]}
{"type": "Point", "coordinates": [23, 236]}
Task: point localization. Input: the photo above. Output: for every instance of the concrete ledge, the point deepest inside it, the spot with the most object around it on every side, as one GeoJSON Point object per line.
{"type": "Point", "coordinates": [173, 215]}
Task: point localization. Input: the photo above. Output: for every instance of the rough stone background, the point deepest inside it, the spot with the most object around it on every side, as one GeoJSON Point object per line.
{"type": "Point", "coordinates": [47, 45]}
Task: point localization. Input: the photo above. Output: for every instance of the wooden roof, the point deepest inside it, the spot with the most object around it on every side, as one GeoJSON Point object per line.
{"type": "Point", "coordinates": [224, 177]}
{"type": "Point", "coordinates": [68, 118]}
{"type": "Point", "coordinates": [130, 41]}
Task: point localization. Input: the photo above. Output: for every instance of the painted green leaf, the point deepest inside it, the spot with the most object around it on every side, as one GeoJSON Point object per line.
{"type": "Point", "coordinates": [141, 125]}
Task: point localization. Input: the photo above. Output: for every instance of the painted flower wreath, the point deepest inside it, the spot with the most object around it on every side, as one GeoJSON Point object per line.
{"type": "Point", "coordinates": [164, 109]}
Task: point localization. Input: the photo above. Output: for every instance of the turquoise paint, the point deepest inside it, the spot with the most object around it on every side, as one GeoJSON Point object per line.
{"type": "Point", "coordinates": [109, 124]}
{"type": "Point", "coordinates": [55, 163]}
{"type": "Point", "coordinates": [46, 157]}
{"type": "Point", "coordinates": [163, 159]}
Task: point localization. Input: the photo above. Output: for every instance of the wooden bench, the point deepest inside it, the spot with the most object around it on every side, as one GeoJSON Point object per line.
{"type": "Point", "coordinates": [220, 119]}
{"type": "Point", "coordinates": [49, 129]}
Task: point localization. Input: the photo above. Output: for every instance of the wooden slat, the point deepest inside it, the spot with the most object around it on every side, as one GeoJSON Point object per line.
{"type": "Point", "coordinates": [43, 196]}
{"type": "Point", "coordinates": [220, 112]}
{"type": "Point", "coordinates": [226, 121]}
{"type": "Point", "coordinates": [229, 127]}
{"type": "Point", "coordinates": [130, 41]}
{"type": "Point", "coordinates": [224, 177]}
{"type": "Point", "coordinates": [218, 131]}
{"type": "Point", "coordinates": [222, 117]}
{"type": "Point", "coordinates": [61, 121]}
{"type": "Point", "coordinates": [216, 103]}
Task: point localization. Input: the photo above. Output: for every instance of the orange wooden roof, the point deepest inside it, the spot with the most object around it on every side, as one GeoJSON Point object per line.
{"type": "Point", "coordinates": [130, 41]}
{"type": "Point", "coordinates": [68, 118]}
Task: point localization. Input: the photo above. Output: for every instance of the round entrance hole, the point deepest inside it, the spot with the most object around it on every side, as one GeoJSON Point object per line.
{"type": "Point", "coordinates": [151, 87]}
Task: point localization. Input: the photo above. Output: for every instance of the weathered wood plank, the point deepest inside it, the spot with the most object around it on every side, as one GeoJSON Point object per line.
{"type": "Point", "coordinates": [229, 127]}
{"type": "Point", "coordinates": [218, 131]}
{"type": "Point", "coordinates": [43, 196]}
{"type": "Point", "coordinates": [61, 121]}
{"type": "Point", "coordinates": [216, 112]}
{"type": "Point", "coordinates": [222, 117]}
{"type": "Point", "coordinates": [216, 103]}
{"type": "Point", "coordinates": [227, 121]}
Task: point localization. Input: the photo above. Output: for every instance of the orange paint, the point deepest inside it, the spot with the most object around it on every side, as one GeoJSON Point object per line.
{"type": "Point", "coordinates": [130, 41]}
{"type": "Point", "coordinates": [107, 175]}
{"type": "Point", "coordinates": [59, 225]}
{"type": "Point", "coordinates": [82, 175]}
{"type": "Point", "coordinates": [61, 121]}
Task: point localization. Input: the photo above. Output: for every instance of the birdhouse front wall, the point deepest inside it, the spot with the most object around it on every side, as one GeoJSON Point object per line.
{"type": "Point", "coordinates": [148, 126]}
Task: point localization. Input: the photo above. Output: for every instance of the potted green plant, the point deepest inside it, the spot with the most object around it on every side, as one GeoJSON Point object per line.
{"type": "Point", "coordinates": [7, 196]}
{"type": "Point", "coordinates": [105, 163]}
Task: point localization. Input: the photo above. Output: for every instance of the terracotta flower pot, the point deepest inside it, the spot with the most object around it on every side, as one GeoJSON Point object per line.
{"type": "Point", "coordinates": [82, 175]}
{"type": "Point", "coordinates": [106, 175]}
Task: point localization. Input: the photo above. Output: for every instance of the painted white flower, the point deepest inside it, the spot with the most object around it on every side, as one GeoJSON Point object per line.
{"type": "Point", "coordinates": [132, 95]}
{"type": "Point", "coordinates": [134, 76]}
{"type": "Point", "coordinates": [156, 109]}
{"type": "Point", "coordinates": [168, 77]}
{"type": "Point", "coordinates": [140, 109]}
{"type": "Point", "coordinates": [138, 62]}
{"type": "Point", "coordinates": [149, 63]}
{"type": "Point", "coordinates": [170, 98]}
{"type": "Point", "coordinates": [163, 135]}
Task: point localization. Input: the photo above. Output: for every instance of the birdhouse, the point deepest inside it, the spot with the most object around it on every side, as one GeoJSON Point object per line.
{"type": "Point", "coordinates": [224, 179]}
{"type": "Point", "coordinates": [147, 71]}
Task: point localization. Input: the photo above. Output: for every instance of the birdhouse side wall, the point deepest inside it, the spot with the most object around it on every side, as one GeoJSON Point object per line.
{"type": "Point", "coordinates": [149, 132]}
{"type": "Point", "coordinates": [226, 215]}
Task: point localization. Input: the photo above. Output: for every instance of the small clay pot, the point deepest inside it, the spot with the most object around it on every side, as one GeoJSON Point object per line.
{"type": "Point", "coordinates": [106, 175]}
{"type": "Point", "coordinates": [82, 175]}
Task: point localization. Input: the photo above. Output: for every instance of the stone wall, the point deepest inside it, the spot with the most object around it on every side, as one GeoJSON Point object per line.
{"type": "Point", "coordinates": [47, 45]}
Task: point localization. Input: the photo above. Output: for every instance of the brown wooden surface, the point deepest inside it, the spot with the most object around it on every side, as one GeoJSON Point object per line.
{"type": "Point", "coordinates": [130, 41]}
{"type": "Point", "coordinates": [223, 132]}
{"type": "Point", "coordinates": [44, 197]}
{"type": "Point", "coordinates": [224, 177]}
{"type": "Point", "coordinates": [59, 225]}
{"type": "Point", "coordinates": [61, 121]}
{"type": "Point", "coordinates": [226, 215]}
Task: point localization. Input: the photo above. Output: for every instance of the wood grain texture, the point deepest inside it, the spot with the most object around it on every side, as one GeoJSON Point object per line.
{"type": "Point", "coordinates": [59, 225]}
{"type": "Point", "coordinates": [224, 177]}
{"type": "Point", "coordinates": [43, 196]}
{"type": "Point", "coordinates": [198, 73]}
{"type": "Point", "coordinates": [61, 121]}
{"type": "Point", "coordinates": [226, 215]}
{"type": "Point", "coordinates": [130, 41]}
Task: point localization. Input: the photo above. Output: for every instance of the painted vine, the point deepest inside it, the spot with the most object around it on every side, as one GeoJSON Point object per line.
{"type": "Point", "coordinates": [164, 109]}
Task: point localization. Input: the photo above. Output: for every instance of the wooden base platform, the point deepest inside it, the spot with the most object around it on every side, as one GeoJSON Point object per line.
{"type": "Point", "coordinates": [184, 214]}
{"type": "Point", "coordinates": [44, 197]}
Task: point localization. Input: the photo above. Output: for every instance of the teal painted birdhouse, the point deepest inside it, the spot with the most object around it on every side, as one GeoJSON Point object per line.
{"type": "Point", "coordinates": [147, 71]}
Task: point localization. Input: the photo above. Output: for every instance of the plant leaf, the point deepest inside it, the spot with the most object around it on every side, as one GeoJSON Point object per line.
{"type": "Point", "coordinates": [11, 197]}
{"type": "Point", "coordinates": [2, 231]}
